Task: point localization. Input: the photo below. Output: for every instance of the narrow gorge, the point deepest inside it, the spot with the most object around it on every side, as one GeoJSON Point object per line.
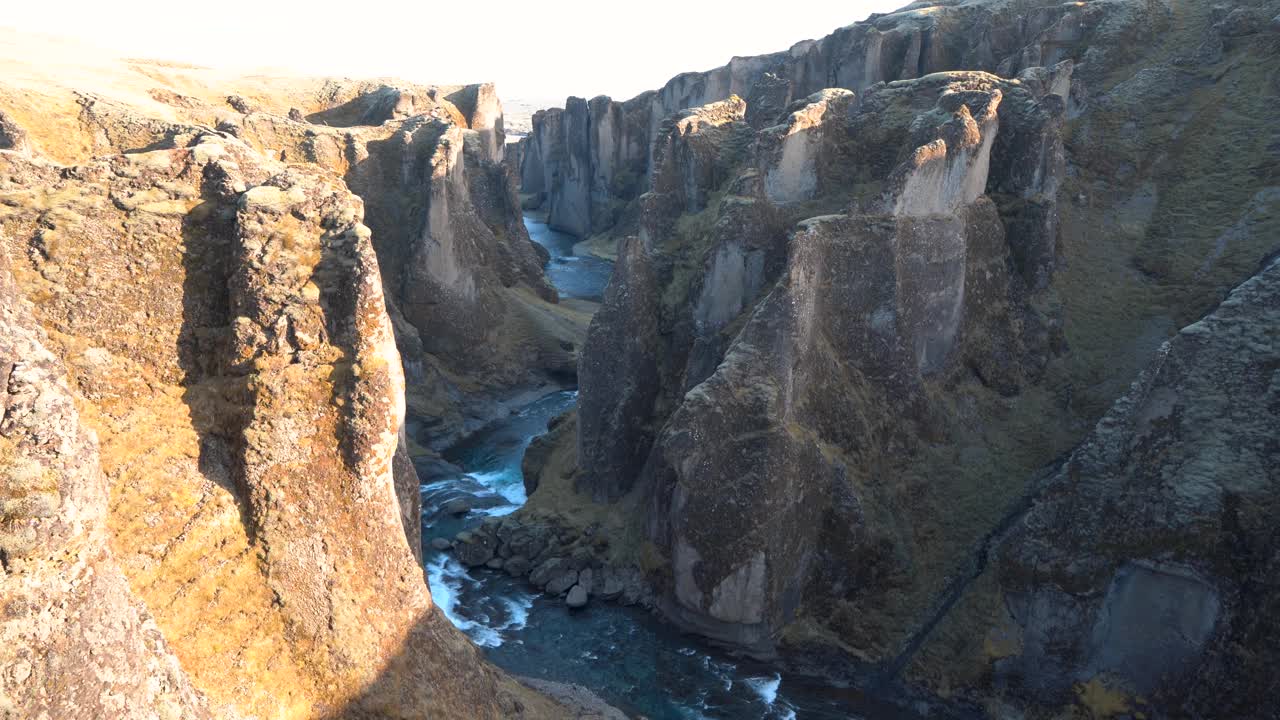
{"type": "Point", "coordinates": [929, 369]}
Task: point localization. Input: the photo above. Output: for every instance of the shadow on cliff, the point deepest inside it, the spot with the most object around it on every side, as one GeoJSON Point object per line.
{"type": "Point", "coordinates": [437, 673]}
{"type": "Point", "coordinates": [218, 403]}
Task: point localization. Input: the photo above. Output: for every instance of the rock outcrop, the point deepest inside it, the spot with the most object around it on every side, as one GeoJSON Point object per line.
{"type": "Point", "coordinates": [474, 315]}
{"type": "Point", "coordinates": [236, 357]}
{"type": "Point", "coordinates": [878, 309]}
{"type": "Point", "coordinates": [851, 338]}
{"type": "Point", "coordinates": [243, 537]}
{"type": "Point", "coordinates": [1144, 570]}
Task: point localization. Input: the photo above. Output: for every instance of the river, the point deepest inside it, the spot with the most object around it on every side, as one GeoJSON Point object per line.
{"type": "Point", "coordinates": [626, 655]}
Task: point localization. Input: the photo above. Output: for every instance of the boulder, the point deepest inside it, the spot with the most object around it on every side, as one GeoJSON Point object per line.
{"type": "Point", "coordinates": [581, 557]}
{"type": "Point", "coordinates": [586, 579]}
{"type": "Point", "coordinates": [529, 540]}
{"type": "Point", "coordinates": [516, 566]}
{"type": "Point", "coordinates": [562, 582]}
{"type": "Point", "coordinates": [577, 597]}
{"type": "Point", "coordinates": [441, 544]}
{"type": "Point", "coordinates": [609, 585]}
{"type": "Point", "coordinates": [458, 506]}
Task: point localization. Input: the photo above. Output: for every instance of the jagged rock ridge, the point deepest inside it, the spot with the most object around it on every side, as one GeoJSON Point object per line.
{"type": "Point", "coordinates": [850, 339]}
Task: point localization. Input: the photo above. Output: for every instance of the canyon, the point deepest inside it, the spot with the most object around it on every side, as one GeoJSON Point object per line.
{"type": "Point", "coordinates": [927, 369]}
{"type": "Point", "coordinates": [907, 368]}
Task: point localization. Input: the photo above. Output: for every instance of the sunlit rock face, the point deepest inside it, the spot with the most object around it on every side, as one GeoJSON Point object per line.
{"type": "Point", "coordinates": [464, 281]}
{"type": "Point", "coordinates": [862, 331]}
{"type": "Point", "coordinates": [462, 278]}
{"type": "Point", "coordinates": [792, 150]}
{"type": "Point", "coordinates": [76, 641]}
{"type": "Point", "coordinates": [260, 381]}
{"type": "Point", "coordinates": [242, 538]}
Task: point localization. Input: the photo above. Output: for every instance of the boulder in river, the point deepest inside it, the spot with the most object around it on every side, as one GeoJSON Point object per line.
{"type": "Point", "coordinates": [548, 570]}
{"type": "Point", "coordinates": [441, 544]}
{"type": "Point", "coordinates": [609, 586]}
{"type": "Point", "coordinates": [577, 597]}
{"type": "Point", "coordinates": [517, 566]}
{"type": "Point", "coordinates": [474, 548]}
{"type": "Point", "coordinates": [561, 583]}
{"type": "Point", "coordinates": [457, 506]}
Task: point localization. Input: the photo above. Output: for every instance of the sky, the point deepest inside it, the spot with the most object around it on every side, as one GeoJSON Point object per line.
{"type": "Point", "coordinates": [536, 52]}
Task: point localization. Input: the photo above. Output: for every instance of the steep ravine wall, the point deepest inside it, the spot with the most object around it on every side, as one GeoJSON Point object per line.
{"type": "Point", "coordinates": [585, 162]}
{"type": "Point", "coordinates": [206, 473]}
{"type": "Point", "coordinates": [852, 335]}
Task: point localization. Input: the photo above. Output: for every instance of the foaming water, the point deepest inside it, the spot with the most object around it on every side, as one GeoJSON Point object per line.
{"type": "Point", "coordinates": [766, 687]}
{"type": "Point", "coordinates": [448, 579]}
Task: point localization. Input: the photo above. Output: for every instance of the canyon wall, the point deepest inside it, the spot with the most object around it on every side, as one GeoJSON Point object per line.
{"type": "Point", "coordinates": [872, 292]}
{"type": "Point", "coordinates": [585, 162]}
{"type": "Point", "coordinates": [207, 477]}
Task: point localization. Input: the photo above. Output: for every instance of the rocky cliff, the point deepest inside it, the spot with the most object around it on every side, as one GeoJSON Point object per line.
{"type": "Point", "coordinates": [205, 462]}
{"type": "Point", "coordinates": [870, 293]}
{"type": "Point", "coordinates": [589, 159]}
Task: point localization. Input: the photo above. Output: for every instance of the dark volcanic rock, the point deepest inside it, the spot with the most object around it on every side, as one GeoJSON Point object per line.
{"type": "Point", "coordinates": [474, 548]}
{"type": "Point", "coordinates": [846, 348]}
{"type": "Point", "coordinates": [577, 597]}
{"type": "Point", "coordinates": [591, 158]}
{"type": "Point", "coordinates": [1142, 566]}
{"type": "Point", "coordinates": [12, 137]}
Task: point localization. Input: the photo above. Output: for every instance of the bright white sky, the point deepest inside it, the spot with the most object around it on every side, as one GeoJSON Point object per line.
{"type": "Point", "coordinates": [538, 52]}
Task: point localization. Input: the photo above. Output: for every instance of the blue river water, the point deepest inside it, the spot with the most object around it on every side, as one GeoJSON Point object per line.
{"type": "Point", "coordinates": [575, 276]}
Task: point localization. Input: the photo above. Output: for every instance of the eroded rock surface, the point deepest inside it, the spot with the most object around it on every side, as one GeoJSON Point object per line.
{"type": "Point", "coordinates": [589, 160]}
{"type": "Point", "coordinates": [209, 283]}
{"type": "Point", "coordinates": [852, 338]}
{"type": "Point", "coordinates": [243, 303]}
{"type": "Point", "coordinates": [76, 642]}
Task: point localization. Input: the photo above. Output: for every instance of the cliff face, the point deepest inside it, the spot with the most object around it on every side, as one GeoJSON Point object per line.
{"type": "Point", "coordinates": [242, 537]}
{"type": "Point", "coordinates": [472, 310]}
{"type": "Point", "coordinates": [850, 338]}
{"type": "Point", "coordinates": [473, 313]}
{"type": "Point", "coordinates": [1141, 575]}
{"type": "Point", "coordinates": [77, 643]}
{"type": "Point", "coordinates": [588, 160]}
{"type": "Point", "coordinates": [794, 348]}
